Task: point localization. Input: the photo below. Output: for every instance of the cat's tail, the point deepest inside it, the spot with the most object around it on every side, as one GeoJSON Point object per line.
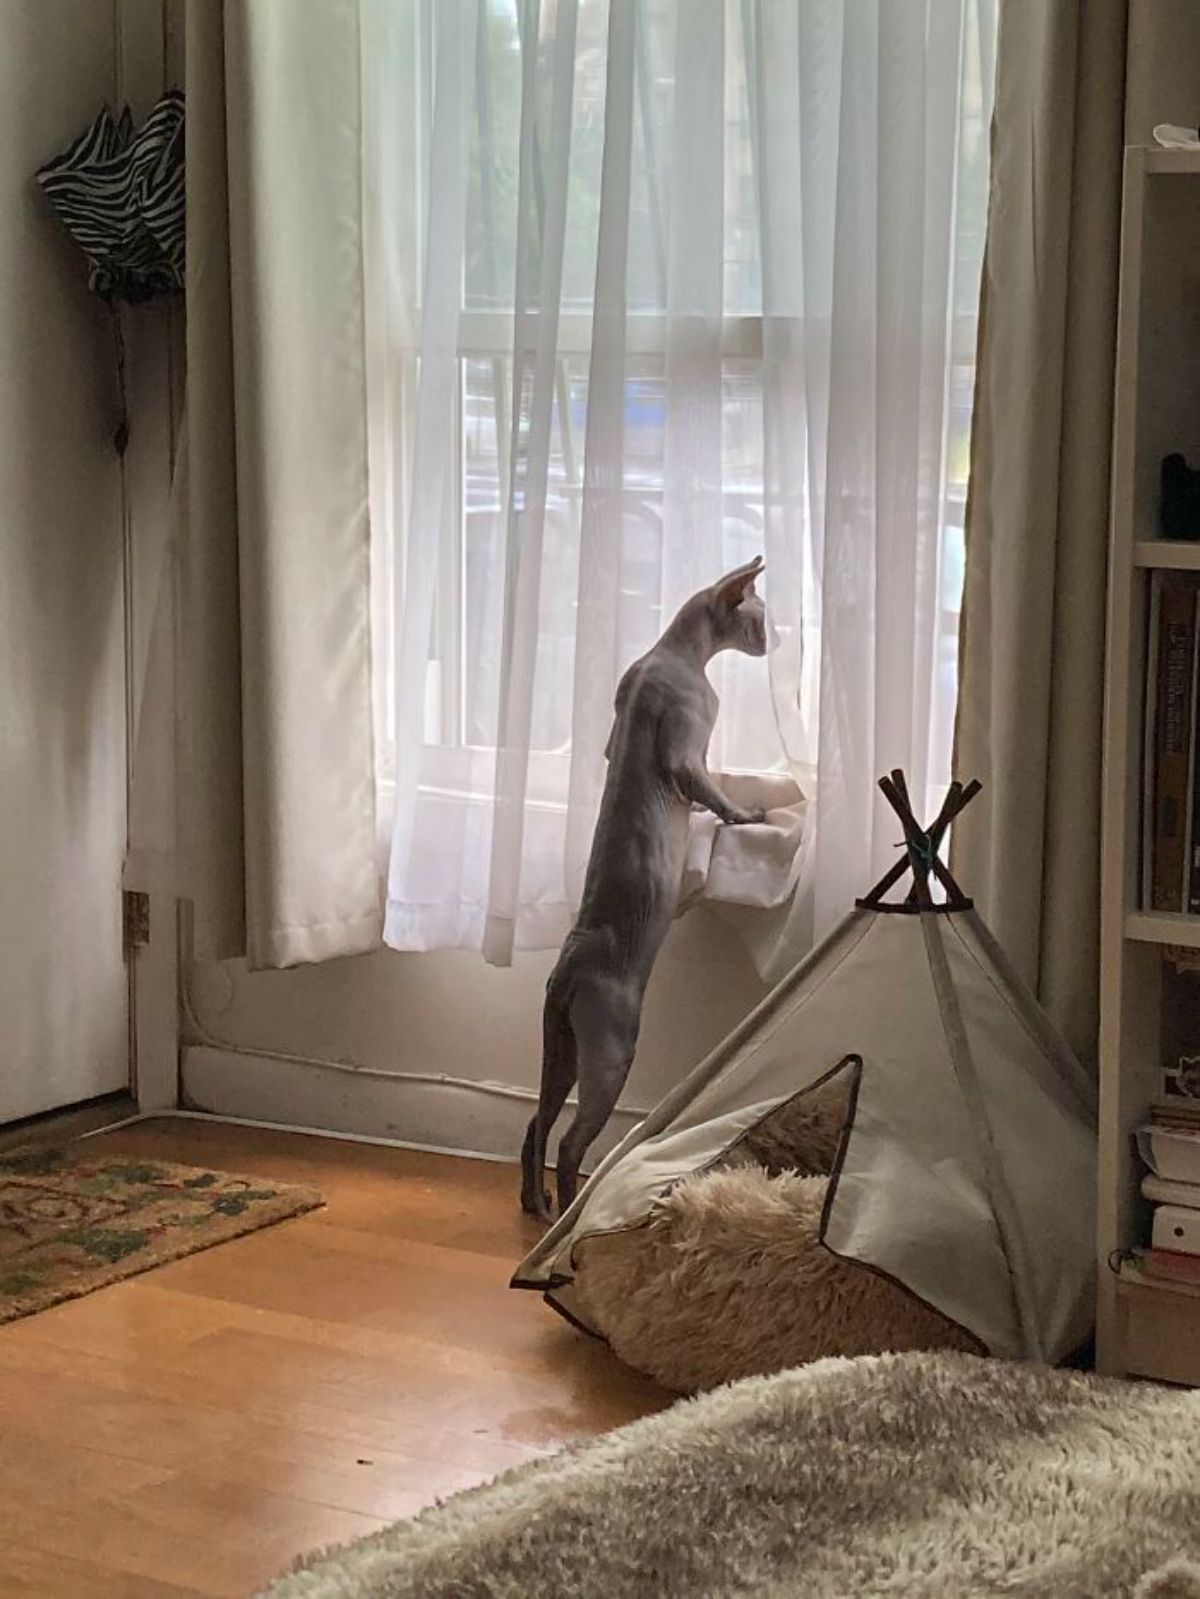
{"type": "Point", "coordinates": [558, 1079]}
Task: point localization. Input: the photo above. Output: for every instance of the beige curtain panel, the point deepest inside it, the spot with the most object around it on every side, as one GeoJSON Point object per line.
{"type": "Point", "coordinates": [1075, 81]}
{"type": "Point", "coordinates": [279, 813]}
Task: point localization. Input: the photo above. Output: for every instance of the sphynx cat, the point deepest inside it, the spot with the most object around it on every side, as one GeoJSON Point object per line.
{"type": "Point", "coordinates": [657, 752]}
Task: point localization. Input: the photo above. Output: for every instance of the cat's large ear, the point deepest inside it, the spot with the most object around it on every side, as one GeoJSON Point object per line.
{"type": "Point", "coordinates": [732, 589]}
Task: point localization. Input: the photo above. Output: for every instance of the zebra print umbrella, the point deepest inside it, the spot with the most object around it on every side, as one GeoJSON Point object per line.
{"type": "Point", "coordinates": [120, 195]}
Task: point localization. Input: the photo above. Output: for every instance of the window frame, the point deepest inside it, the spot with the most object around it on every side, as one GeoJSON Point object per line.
{"type": "Point", "coordinates": [487, 334]}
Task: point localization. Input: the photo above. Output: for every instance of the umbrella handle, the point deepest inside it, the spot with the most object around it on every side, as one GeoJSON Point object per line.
{"type": "Point", "coordinates": [121, 436]}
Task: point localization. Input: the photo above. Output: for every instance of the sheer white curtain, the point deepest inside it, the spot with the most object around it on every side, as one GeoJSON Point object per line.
{"type": "Point", "coordinates": [654, 285]}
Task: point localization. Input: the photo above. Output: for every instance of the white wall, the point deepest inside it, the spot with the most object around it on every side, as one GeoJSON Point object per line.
{"type": "Point", "coordinates": [1163, 66]}
{"type": "Point", "coordinates": [387, 1014]}
{"type": "Point", "coordinates": [62, 740]}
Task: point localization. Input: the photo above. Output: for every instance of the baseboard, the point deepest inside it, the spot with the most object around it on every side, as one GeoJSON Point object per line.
{"type": "Point", "coordinates": [434, 1112]}
{"type": "Point", "coordinates": [75, 1121]}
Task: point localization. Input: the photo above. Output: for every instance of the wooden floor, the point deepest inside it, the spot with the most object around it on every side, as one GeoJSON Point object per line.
{"type": "Point", "coordinates": [193, 1430]}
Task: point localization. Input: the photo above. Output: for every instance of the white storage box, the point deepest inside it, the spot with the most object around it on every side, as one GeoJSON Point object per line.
{"type": "Point", "coordinates": [1177, 1229]}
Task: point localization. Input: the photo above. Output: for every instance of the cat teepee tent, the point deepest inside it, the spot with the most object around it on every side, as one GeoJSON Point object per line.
{"type": "Point", "coordinates": [966, 1170]}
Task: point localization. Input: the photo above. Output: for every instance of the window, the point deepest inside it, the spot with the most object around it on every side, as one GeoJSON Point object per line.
{"type": "Point", "coordinates": [781, 73]}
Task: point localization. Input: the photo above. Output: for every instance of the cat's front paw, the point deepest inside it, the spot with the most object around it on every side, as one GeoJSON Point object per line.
{"type": "Point", "coordinates": [743, 818]}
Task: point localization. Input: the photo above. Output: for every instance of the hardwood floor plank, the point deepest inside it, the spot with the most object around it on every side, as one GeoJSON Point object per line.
{"type": "Point", "coordinates": [223, 1444]}
{"type": "Point", "coordinates": [154, 1321]}
{"type": "Point", "coordinates": [28, 1573]}
{"type": "Point", "coordinates": [191, 1431]}
{"type": "Point", "coordinates": [120, 1538]}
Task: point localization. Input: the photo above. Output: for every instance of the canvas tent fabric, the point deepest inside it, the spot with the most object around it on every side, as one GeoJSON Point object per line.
{"type": "Point", "coordinates": [967, 1166]}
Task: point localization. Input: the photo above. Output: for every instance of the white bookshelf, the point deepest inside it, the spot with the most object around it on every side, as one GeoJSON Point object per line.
{"type": "Point", "coordinates": [1143, 1330]}
{"type": "Point", "coordinates": [1163, 927]}
{"type": "Point", "coordinates": [1166, 555]}
{"type": "Point", "coordinates": [1168, 162]}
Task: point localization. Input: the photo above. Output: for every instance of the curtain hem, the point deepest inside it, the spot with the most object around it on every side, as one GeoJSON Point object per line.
{"type": "Point", "coordinates": [302, 946]}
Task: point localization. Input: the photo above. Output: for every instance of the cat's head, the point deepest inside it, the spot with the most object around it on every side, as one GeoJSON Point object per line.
{"type": "Point", "coordinates": [737, 613]}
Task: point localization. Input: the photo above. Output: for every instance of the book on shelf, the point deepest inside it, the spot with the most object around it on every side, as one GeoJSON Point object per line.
{"type": "Point", "coordinates": [1149, 718]}
{"type": "Point", "coordinates": [1166, 1265]}
{"type": "Point", "coordinates": [1171, 1149]}
{"type": "Point", "coordinates": [1191, 819]}
{"type": "Point", "coordinates": [1170, 747]}
{"type": "Point", "coordinates": [1163, 1191]}
{"type": "Point", "coordinates": [1182, 1113]}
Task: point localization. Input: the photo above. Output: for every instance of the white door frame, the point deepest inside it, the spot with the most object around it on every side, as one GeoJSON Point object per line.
{"type": "Point", "coordinates": [149, 58]}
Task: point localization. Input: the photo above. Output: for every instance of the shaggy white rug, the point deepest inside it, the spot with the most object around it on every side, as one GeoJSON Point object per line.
{"type": "Point", "coordinates": [930, 1476]}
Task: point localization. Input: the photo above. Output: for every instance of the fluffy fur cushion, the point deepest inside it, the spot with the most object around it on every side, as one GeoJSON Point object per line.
{"type": "Point", "coordinates": [801, 1136]}
{"type": "Point", "coordinates": [729, 1280]}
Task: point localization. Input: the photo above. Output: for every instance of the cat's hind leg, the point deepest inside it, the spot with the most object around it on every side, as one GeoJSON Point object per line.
{"type": "Point", "coordinates": [605, 1014]}
{"type": "Point", "coordinates": [558, 1079]}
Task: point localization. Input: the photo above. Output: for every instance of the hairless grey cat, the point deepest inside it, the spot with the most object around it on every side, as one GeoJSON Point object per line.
{"type": "Point", "coordinates": [657, 771]}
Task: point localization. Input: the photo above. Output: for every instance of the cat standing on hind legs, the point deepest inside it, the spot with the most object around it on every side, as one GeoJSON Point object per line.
{"type": "Point", "coordinates": [657, 771]}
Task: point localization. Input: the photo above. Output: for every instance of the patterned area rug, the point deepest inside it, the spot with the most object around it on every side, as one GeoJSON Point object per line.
{"type": "Point", "coordinates": [71, 1220]}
